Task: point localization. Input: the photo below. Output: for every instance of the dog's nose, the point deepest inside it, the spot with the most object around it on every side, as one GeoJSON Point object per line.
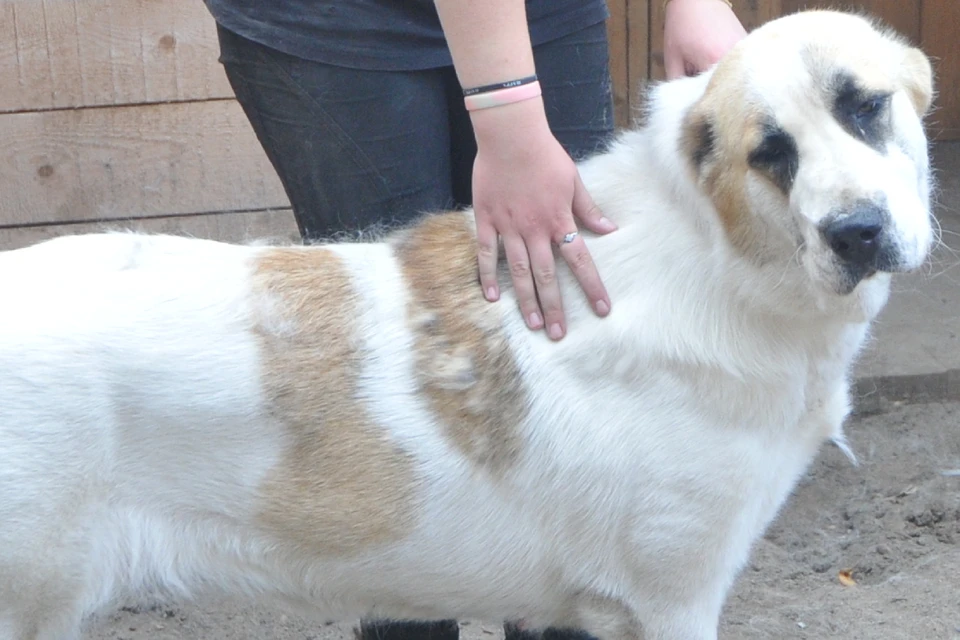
{"type": "Point", "coordinates": [855, 237]}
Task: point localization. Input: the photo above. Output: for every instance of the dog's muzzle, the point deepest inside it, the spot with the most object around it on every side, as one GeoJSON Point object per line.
{"type": "Point", "coordinates": [860, 240]}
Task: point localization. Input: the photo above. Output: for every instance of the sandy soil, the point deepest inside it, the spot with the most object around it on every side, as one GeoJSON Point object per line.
{"type": "Point", "coordinates": [893, 522]}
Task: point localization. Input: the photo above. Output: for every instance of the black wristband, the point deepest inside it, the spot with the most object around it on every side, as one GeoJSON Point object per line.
{"type": "Point", "coordinates": [500, 85]}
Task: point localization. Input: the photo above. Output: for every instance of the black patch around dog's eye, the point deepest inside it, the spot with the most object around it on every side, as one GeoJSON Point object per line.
{"type": "Point", "coordinates": [777, 156]}
{"type": "Point", "coordinates": [863, 114]}
{"type": "Point", "coordinates": [702, 142]}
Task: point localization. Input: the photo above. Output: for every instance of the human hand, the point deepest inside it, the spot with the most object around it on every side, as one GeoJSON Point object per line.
{"type": "Point", "coordinates": [696, 34]}
{"type": "Point", "coordinates": [527, 190]}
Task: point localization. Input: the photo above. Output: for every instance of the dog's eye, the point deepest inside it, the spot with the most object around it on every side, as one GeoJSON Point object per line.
{"type": "Point", "coordinates": [774, 149]}
{"type": "Point", "coordinates": [777, 157]}
{"type": "Point", "coordinates": [869, 108]}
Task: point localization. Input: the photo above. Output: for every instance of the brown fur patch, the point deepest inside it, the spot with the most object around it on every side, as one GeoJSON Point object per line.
{"type": "Point", "coordinates": [723, 171]}
{"type": "Point", "coordinates": [464, 364]}
{"type": "Point", "coordinates": [342, 486]}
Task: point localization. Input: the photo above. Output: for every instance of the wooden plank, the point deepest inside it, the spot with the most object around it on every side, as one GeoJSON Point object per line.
{"type": "Point", "coordinates": [76, 53]}
{"type": "Point", "coordinates": [119, 162]}
{"type": "Point", "coordinates": [638, 28]}
{"type": "Point", "coordinates": [277, 226]}
{"type": "Point", "coordinates": [902, 15]}
{"type": "Point", "coordinates": [618, 35]}
{"type": "Point", "coordinates": [656, 67]}
{"type": "Point", "coordinates": [752, 13]}
{"type": "Point", "coordinates": [939, 31]}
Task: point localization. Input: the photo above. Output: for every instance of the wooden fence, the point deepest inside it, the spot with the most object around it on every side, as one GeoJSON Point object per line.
{"type": "Point", "coordinates": [119, 110]}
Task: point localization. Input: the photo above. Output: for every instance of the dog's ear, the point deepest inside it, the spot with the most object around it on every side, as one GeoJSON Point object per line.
{"type": "Point", "coordinates": [698, 138]}
{"type": "Point", "coordinates": [918, 79]}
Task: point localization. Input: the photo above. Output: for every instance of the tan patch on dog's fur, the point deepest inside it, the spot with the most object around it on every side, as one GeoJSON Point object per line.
{"type": "Point", "coordinates": [723, 173]}
{"type": "Point", "coordinates": [342, 486]}
{"type": "Point", "coordinates": [463, 362]}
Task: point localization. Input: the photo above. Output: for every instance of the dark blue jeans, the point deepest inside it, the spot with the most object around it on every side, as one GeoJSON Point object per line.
{"type": "Point", "coordinates": [358, 148]}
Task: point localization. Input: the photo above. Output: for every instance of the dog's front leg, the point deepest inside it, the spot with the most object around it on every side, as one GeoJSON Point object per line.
{"type": "Point", "coordinates": [605, 618]}
{"type": "Point", "coordinates": [677, 612]}
{"type": "Point", "coordinates": [681, 624]}
{"type": "Point", "coordinates": [608, 619]}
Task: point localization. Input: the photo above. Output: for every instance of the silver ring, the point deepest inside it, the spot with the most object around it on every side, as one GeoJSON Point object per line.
{"type": "Point", "coordinates": [570, 237]}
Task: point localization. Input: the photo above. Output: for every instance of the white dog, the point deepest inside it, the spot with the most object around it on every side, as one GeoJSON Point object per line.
{"type": "Point", "coordinates": [350, 429]}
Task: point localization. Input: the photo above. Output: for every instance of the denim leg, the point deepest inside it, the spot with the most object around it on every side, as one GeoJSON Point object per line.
{"type": "Point", "coordinates": [354, 149]}
{"type": "Point", "coordinates": [574, 72]}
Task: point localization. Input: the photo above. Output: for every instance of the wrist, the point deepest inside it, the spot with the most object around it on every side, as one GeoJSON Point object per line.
{"type": "Point", "coordinates": [509, 122]}
{"type": "Point", "coordinates": [504, 94]}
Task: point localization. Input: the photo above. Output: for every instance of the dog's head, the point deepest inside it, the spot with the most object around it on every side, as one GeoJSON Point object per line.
{"type": "Point", "coordinates": [809, 142]}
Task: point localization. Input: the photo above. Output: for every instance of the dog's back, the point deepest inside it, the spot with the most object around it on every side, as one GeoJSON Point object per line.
{"type": "Point", "coordinates": [180, 413]}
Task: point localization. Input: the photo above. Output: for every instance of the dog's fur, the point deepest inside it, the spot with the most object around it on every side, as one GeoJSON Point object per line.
{"type": "Point", "coordinates": [352, 430]}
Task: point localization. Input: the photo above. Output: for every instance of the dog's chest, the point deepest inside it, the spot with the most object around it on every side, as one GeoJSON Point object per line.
{"type": "Point", "coordinates": [689, 460]}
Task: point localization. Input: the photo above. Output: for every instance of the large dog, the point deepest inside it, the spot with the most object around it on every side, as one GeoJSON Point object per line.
{"type": "Point", "coordinates": [351, 429]}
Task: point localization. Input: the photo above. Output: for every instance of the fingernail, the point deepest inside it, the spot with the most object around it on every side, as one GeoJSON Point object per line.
{"type": "Point", "coordinates": [492, 294]}
{"type": "Point", "coordinates": [607, 224]}
{"type": "Point", "coordinates": [602, 307]}
{"type": "Point", "coordinates": [555, 331]}
{"type": "Point", "coordinates": [534, 321]}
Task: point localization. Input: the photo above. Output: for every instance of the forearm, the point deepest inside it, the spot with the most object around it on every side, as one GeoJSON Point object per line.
{"type": "Point", "coordinates": [488, 39]}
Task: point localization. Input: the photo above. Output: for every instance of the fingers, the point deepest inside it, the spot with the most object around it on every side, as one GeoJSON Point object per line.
{"type": "Point", "coordinates": [533, 270]}
{"type": "Point", "coordinates": [576, 254]}
{"type": "Point", "coordinates": [586, 210]}
{"type": "Point", "coordinates": [523, 285]}
{"type": "Point", "coordinates": [544, 269]}
{"type": "Point", "coordinates": [674, 65]}
{"type": "Point", "coordinates": [581, 263]}
{"type": "Point", "coordinates": [487, 258]}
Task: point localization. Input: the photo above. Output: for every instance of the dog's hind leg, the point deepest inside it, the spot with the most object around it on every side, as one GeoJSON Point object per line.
{"type": "Point", "coordinates": [44, 579]}
{"type": "Point", "coordinates": [57, 628]}
{"type": "Point", "coordinates": [39, 611]}
{"type": "Point", "coordinates": [45, 582]}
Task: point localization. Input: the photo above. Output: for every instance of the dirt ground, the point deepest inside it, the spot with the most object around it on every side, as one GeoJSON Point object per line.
{"type": "Point", "coordinates": [893, 522]}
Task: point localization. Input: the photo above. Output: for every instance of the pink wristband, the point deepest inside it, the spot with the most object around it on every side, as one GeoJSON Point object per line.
{"type": "Point", "coordinates": [501, 97]}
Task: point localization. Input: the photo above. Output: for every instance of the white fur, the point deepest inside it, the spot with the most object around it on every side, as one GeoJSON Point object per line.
{"type": "Point", "coordinates": [660, 441]}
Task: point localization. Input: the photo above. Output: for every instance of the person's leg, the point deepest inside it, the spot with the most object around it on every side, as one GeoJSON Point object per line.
{"type": "Point", "coordinates": [463, 144]}
{"type": "Point", "coordinates": [574, 72]}
{"type": "Point", "coordinates": [354, 149]}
